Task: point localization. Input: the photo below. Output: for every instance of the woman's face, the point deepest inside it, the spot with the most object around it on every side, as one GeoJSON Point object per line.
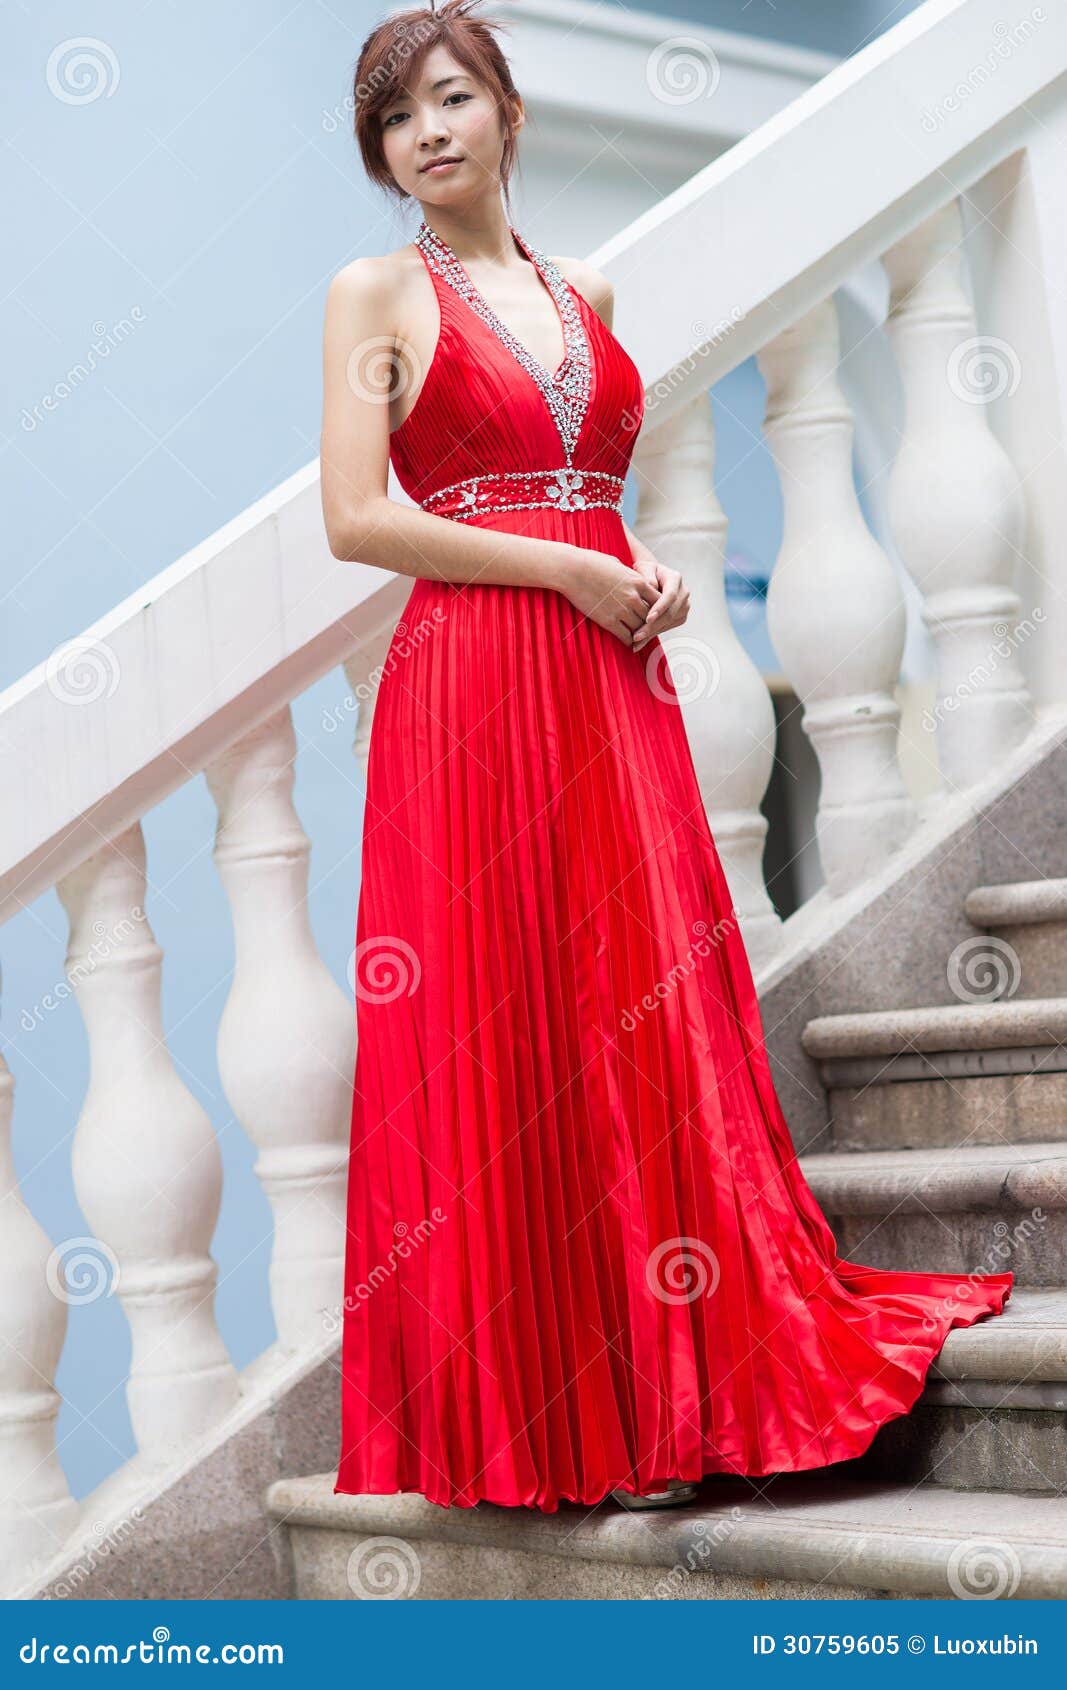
{"type": "Point", "coordinates": [444, 115]}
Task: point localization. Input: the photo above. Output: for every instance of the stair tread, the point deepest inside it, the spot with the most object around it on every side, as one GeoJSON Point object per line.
{"type": "Point", "coordinates": [938, 1027]}
{"type": "Point", "coordinates": [909, 1539]}
{"type": "Point", "coordinates": [1027, 1341]}
{"type": "Point", "coordinates": [975, 1177]}
{"type": "Point", "coordinates": [1017, 902]}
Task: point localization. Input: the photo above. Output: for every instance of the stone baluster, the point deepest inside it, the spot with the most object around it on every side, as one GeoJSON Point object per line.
{"type": "Point", "coordinates": [287, 1037]}
{"type": "Point", "coordinates": [37, 1511]}
{"type": "Point", "coordinates": [835, 606]}
{"type": "Point", "coordinates": [145, 1161]}
{"type": "Point", "coordinates": [955, 505]}
{"type": "Point", "coordinates": [362, 672]}
{"type": "Point", "coordinates": [728, 712]}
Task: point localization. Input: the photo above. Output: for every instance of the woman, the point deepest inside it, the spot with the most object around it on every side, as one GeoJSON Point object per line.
{"type": "Point", "coordinates": [582, 1258]}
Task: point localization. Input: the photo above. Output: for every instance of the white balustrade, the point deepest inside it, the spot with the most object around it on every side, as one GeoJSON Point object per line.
{"type": "Point", "coordinates": [145, 1160]}
{"type": "Point", "coordinates": [956, 507]}
{"type": "Point", "coordinates": [363, 672]}
{"type": "Point", "coordinates": [287, 1037]}
{"type": "Point", "coordinates": [728, 713]}
{"type": "Point", "coordinates": [835, 608]}
{"type": "Point", "coordinates": [37, 1510]}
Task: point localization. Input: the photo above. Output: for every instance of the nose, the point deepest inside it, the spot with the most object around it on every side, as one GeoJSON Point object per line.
{"type": "Point", "coordinates": [432, 133]}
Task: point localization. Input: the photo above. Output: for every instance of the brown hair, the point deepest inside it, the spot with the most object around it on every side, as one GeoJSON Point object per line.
{"type": "Point", "coordinates": [392, 56]}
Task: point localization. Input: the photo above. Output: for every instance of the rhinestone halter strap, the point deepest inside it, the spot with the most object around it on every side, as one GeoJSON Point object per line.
{"type": "Point", "coordinates": [566, 391]}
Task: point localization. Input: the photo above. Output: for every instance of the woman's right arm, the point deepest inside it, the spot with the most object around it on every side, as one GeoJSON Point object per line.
{"type": "Point", "coordinates": [363, 524]}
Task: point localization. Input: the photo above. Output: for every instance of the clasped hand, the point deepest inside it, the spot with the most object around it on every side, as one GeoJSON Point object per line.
{"type": "Point", "coordinates": [635, 602]}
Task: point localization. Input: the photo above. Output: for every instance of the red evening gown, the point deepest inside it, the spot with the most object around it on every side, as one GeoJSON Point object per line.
{"type": "Point", "coordinates": [581, 1253]}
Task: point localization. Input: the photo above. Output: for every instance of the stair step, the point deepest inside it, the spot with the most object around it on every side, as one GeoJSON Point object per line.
{"type": "Point", "coordinates": [970, 1209]}
{"type": "Point", "coordinates": [819, 1535]}
{"type": "Point", "coordinates": [1023, 1346]}
{"type": "Point", "coordinates": [993, 1414]}
{"type": "Point", "coordinates": [1005, 1061]}
{"type": "Point", "coordinates": [1017, 903]}
{"type": "Point", "coordinates": [1015, 1023]}
{"type": "Point", "coordinates": [914, 1115]}
{"type": "Point", "coordinates": [1028, 919]}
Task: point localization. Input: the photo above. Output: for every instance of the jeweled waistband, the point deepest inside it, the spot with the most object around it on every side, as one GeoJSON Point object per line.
{"type": "Point", "coordinates": [527, 489]}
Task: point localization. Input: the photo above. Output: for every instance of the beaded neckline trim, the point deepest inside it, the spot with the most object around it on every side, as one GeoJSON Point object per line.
{"type": "Point", "coordinates": [566, 391]}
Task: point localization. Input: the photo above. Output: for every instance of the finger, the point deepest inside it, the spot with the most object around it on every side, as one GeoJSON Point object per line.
{"type": "Point", "coordinates": [671, 598]}
{"type": "Point", "coordinates": [647, 634]}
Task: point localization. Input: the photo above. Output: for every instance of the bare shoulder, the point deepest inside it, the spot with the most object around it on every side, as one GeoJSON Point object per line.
{"type": "Point", "coordinates": [594, 287]}
{"type": "Point", "coordinates": [375, 287]}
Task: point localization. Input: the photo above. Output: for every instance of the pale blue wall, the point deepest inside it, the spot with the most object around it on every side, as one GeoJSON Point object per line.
{"type": "Point", "coordinates": [205, 200]}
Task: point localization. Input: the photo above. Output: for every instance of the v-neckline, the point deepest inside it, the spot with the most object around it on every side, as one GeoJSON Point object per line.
{"type": "Point", "coordinates": [566, 389]}
{"type": "Point", "coordinates": [503, 331]}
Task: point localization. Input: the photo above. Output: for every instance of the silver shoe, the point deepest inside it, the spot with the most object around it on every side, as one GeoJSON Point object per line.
{"type": "Point", "coordinates": [680, 1490]}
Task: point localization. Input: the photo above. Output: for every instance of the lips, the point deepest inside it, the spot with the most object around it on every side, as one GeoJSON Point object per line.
{"type": "Point", "coordinates": [435, 164]}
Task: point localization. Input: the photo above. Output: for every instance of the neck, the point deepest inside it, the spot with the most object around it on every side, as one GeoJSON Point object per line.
{"type": "Point", "coordinates": [472, 233]}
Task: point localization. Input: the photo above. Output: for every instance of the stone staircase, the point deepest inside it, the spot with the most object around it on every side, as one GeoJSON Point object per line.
{"type": "Point", "coordinates": [950, 1155]}
{"type": "Point", "coordinates": [801, 1535]}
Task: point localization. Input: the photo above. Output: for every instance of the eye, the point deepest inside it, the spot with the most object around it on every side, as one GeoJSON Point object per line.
{"type": "Point", "coordinates": [458, 95]}
{"type": "Point", "coordinates": [393, 115]}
